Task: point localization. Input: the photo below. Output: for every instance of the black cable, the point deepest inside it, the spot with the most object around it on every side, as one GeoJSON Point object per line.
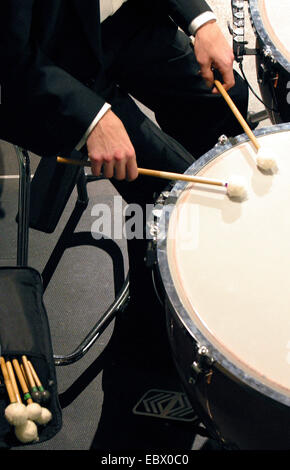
{"type": "Point", "coordinates": [254, 93]}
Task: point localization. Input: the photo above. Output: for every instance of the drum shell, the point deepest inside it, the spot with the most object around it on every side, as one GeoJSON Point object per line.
{"type": "Point", "coordinates": [234, 413]}
{"type": "Point", "coordinates": [275, 94]}
{"type": "Point", "coordinates": [239, 408]}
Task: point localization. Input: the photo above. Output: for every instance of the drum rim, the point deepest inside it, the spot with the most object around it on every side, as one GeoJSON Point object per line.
{"type": "Point", "coordinates": [163, 266]}
{"type": "Point", "coordinates": [262, 32]}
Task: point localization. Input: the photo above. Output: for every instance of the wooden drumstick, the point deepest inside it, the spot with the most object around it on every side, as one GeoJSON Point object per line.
{"type": "Point", "coordinates": [27, 397]}
{"type": "Point", "coordinates": [35, 376]}
{"type": "Point", "coordinates": [265, 159]}
{"type": "Point", "coordinates": [238, 115]}
{"type": "Point", "coordinates": [35, 394]}
{"type": "Point", "coordinates": [235, 186]}
{"type": "Point", "coordinates": [15, 413]}
{"type": "Point", "coordinates": [23, 373]}
{"type": "Point", "coordinates": [45, 395]}
{"type": "Point", "coordinates": [177, 176]}
{"type": "Point", "coordinates": [44, 415]}
{"type": "Point", "coordinates": [156, 173]}
{"type": "Point", "coordinates": [7, 381]}
{"type": "Point", "coordinates": [13, 381]}
{"type": "Point", "coordinates": [34, 409]}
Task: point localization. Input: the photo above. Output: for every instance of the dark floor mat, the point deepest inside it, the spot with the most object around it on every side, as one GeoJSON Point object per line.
{"type": "Point", "coordinates": [144, 404]}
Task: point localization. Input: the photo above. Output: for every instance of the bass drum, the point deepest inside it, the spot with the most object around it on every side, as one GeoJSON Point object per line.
{"type": "Point", "coordinates": [224, 267]}
{"type": "Point", "coordinates": [270, 20]}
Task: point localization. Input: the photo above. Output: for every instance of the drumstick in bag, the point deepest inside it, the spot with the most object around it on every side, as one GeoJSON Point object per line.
{"type": "Point", "coordinates": [15, 413]}
{"type": "Point", "coordinates": [235, 187]}
{"type": "Point", "coordinates": [45, 395]}
{"type": "Point", "coordinates": [45, 415]}
{"type": "Point", "coordinates": [33, 409]}
{"type": "Point", "coordinates": [25, 429]}
{"type": "Point", "coordinates": [13, 381]}
{"type": "Point", "coordinates": [24, 375]}
{"type": "Point", "coordinates": [26, 432]}
{"type": "Point", "coordinates": [35, 394]}
{"type": "Point", "coordinates": [265, 160]}
{"type": "Point", "coordinates": [41, 415]}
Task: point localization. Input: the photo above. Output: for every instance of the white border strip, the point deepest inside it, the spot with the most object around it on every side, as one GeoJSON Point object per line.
{"type": "Point", "coordinates": [10, 177]}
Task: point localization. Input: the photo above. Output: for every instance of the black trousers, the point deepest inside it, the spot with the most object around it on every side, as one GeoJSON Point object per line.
{"type": "Point", "coordinates": [156, 65]}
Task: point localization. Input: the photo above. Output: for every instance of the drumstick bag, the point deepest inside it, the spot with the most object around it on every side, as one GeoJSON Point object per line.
{"type": "Point", "coordinates": [51, 187]}
{"type": "Point", "coordinates": [24, 330]}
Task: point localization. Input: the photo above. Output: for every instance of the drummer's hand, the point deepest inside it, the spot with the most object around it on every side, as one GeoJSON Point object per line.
{"type": "Point", "coordinates": [110, 149]}
{"type": "Point", "coordinates": [213, 51]}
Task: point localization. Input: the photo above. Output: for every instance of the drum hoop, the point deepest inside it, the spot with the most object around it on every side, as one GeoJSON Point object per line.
{"type": "Point", "coordinates": [262, 33]}
{"type": "Point", "coordinates": [163, 266]}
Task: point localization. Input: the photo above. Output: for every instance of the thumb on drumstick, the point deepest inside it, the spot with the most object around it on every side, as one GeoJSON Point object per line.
{"type": "Point", "coordinates": [207, 74]}
{"type": "Point", "coordinates": [228, 79]}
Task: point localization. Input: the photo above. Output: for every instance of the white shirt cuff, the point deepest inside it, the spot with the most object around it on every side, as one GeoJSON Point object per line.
{"type": "Point", "coordinates": [200, 20]}
{"type": "Point", "coordinates": [100, 114]}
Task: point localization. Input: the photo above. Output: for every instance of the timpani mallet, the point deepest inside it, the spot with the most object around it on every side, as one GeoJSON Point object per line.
{"type": "Point", "coordinates": [13, 381]}
{"type": "Point", "coordinates": [23, 373]}
{"type": "Point", "coordinates": [45, 395]}
{"type": "Point", "coordinates": [265, 160]}
{"type": "Point", "coordinates": [27, 432]}
{"type": "Point", "coordinates": [235, 187]}
{"type": "Point", "coordinates": [24, 431]}
{"type": "Point", "coordinates": [15, 413]}
{"type": "Point", "coordinates": [33, 409]}
{"type": "Point", "coordinates": [35, 394]}
{"type": "Point", "coordinates": [45, 415]}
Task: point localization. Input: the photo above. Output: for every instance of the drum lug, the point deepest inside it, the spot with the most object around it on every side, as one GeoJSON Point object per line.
{"type": "Point", "coordinates": [265, 75]}
{"type": "Point", "coordinates": [223, 140]}
{"type": "Point", "coordinates": [239, 4]}
{"type": "Point", "coordinates": [267, 51]}
{"type": "Point", "coordinates": [196, 372]}
{"type": "Point", "coordinates": [152, 227]}
{"type": "Point", "coordinates": [201, 366]}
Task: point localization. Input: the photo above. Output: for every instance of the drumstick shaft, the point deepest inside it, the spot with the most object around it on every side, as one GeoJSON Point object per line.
{"type": "Point", "coordinates": [24, 375]}
{"type": "Point", "coordinates": [177, 176]}
{"type": "Point", "coordinates": [237, 113]}
{"type": "Point", "coordinates": [28, 372]}
{"type": "Point", "coordinates": [21, 380]}
{"type": "Point", "coordinates": [35, 376]}
{"type": "Point", "coordinates": [13, 381]}
{"type": "Point", "coordinates": [155, 173]}
{"type": "Point", "coordinates": [7, 381]}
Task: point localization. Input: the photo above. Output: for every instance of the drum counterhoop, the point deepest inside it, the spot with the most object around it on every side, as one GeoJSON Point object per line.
{"type": "Point", "coordinates": [237, 380]}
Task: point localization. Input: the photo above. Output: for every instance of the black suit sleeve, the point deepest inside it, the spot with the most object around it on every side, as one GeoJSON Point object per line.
{"type": "Point", "coordinates": [184, 11]}
{"type": "Point", "coordinates": [43, 108]}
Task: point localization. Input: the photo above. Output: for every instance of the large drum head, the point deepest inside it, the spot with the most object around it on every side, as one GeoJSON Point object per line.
{"type": "Point", "coordinates": [271, 20]}
{"type": "Point", "coordinates": [226, 264]}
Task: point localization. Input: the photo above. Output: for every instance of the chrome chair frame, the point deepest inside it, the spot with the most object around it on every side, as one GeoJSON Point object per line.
{"type": "Point", "coordinates": [67, 239]}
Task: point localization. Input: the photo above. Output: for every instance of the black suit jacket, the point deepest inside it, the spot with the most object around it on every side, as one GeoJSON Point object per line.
{"type": "Point", "coordinates": [49, 49]}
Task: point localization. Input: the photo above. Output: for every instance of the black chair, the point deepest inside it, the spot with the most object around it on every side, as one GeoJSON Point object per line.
{"type": "Point", "coordinates": [63, 180]}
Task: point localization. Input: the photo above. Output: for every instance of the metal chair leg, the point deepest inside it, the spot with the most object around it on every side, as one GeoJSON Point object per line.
{"type": "Point", "coordinates": [70, 238]}
{"type": "Point", "coordinates": [23, 206]}
{"type": "Point", "coordinates": [98, 329]}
